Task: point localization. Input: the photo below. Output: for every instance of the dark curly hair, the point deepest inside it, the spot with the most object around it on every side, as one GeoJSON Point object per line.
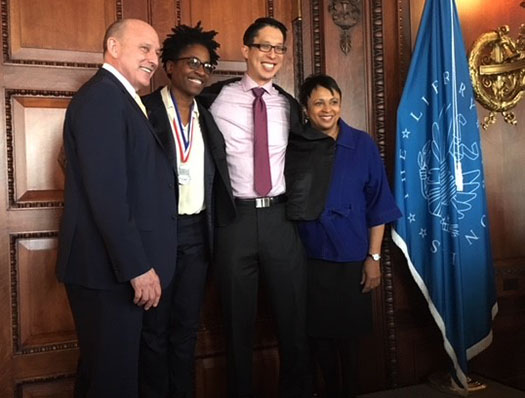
{"type": "Point", "coordinates": [184, 36]}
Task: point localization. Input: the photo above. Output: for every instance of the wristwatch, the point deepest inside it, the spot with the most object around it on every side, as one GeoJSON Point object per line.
{"type": "Point", "coordinates": [375, 256]}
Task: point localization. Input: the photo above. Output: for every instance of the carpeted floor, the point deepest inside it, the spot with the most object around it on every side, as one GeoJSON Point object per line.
{"type": "Point", "coordinates": [493, 390]}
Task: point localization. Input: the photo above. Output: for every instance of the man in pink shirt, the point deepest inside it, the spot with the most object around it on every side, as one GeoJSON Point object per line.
{"type": "Point", "coordinates": [273, 170]}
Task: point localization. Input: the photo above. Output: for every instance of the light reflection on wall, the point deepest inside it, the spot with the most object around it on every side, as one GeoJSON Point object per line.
{"type": "Point", "coordinates": [464, 6]}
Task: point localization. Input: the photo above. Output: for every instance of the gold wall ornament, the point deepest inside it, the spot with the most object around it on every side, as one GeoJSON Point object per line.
{"type": "Point", "coordinates": [497, 70]}
{"type": "Point", "coordinates": [345, 14]}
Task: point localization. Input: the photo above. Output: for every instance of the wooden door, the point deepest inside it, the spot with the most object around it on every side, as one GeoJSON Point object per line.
{"type": "Point", "coordinates": [50, 48]}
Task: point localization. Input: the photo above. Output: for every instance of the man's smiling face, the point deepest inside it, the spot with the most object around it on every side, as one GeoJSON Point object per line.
{"type": "Point", "coordinates": [262, 67]}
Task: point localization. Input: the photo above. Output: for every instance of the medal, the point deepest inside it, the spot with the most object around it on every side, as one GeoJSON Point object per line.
{"type": "Point", "coordinates": [184, 174]}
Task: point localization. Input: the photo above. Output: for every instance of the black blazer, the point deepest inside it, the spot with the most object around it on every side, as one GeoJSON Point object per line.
{"type": "Point", "coordinates": [309, 159]}
{"type": "Point", "coordinates": [120, 192]}
{"type": "Point", "coordinates": [217, 185]}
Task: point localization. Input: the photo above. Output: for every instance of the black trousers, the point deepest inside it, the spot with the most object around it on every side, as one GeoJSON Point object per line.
{"type": "Point", "coordinates": [262, 243]}
{"type": "Point", "coordinates": [337, 359]}
{"type": "Point", "coordinates": [108, 328]}
{"type": "Point", "coordinates": [169, 331]}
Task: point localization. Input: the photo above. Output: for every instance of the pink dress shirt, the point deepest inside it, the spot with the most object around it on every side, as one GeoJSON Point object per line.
{"type": "Point", "coordinates": [232, 111]}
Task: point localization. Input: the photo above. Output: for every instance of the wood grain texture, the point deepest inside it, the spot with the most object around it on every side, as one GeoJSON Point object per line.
{"type": "Point", "coordinates": [37, 38]}
{"type": "Point", "coordinates": [34, 133]}
{"type": "Point", "coordinates": [350, 71]}
{"type": "Point", "coordinates": [42, 319]}
{"type": "Point", "coordinates": [52, 387]}
{"type": "Point", "coordinates": [37, 354]}
{"type": "Point", "coordinates": [230, 25]}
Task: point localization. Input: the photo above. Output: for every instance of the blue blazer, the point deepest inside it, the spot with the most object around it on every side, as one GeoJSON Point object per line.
{"type": "Point", "coordinates": [120, 191]}
{"type": "Point", "coordinates": [359, 198]}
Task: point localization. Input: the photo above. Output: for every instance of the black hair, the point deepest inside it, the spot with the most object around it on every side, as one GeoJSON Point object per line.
{"type": "Point", "coordinates": [314, 81]}
{"type": "Point", "coordinates": [184, 36]}
{"type": "Point", "coordinates": [252, 30]}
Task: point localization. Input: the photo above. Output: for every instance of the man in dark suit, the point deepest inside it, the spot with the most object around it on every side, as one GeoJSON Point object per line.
{"type": "Point", "coordinates": [195, 148]}
{"type": "Point", "coordinates": [118, 233]}
{"type": "Point", "coordinates": [280, 171]}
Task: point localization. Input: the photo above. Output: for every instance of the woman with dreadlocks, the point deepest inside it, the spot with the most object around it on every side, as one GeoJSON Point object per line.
{"type": "Point", "coordinates": [195, 148]}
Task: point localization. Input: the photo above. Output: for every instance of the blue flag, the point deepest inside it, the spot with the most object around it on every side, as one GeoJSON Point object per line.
{"type": "Point", "coordinates": [440, 188]}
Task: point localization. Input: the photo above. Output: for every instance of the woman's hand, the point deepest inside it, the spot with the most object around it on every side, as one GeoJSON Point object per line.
{"type": "Point", "coordinates": [371, 271]}
{"type": "Point", "coordinates": [371, 275]}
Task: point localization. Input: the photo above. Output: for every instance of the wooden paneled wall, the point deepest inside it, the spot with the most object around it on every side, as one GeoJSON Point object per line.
{"type": "Point", "coordinates": [50, 48]}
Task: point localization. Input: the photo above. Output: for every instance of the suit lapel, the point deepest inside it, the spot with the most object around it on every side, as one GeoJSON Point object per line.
{"type": "Point", "coordinates": [108, 75]}
{"type": "Point", "coordinates": [209, 166]}
{"type": "Point", "coordinates": [161, 124]}
{"type": "Point", "coordinates": [214, 144]}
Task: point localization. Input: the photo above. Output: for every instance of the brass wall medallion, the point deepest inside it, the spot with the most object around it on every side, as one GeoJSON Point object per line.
{"type": "Point", "coordinates": [497, 69]}
{"type": "Point", "coordinates": [345, 14]}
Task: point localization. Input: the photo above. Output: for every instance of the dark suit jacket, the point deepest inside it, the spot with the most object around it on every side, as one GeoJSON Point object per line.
{"type": "Point", "coordinates": [309, 159]}
{"type": "Point", "coordinates": [120, 192]}
{"type": "Point", "coordinates": [217, 181]}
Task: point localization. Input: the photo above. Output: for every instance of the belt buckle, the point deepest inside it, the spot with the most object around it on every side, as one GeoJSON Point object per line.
{"type": "Point", "coordinates": [262, 202]}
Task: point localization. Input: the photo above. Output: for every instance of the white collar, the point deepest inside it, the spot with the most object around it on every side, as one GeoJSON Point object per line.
{"type": "Point", "coordinates": [168, 102]}
{"type": "Point", "coordinates": [125, 82]}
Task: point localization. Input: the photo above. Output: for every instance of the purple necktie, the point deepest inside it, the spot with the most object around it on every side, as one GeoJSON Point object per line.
{"type": "Point", "coordinates": [261, 159]}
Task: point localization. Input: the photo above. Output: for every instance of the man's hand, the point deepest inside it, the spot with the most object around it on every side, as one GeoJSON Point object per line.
{"type": "Point", "coordinates": [147, 289]}
{"type": "Point", "coordinates": [371, 275]}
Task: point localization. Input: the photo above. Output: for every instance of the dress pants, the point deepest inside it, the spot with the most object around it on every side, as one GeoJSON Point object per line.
{"type": "Point", "coordinates": [337, 359]}
{"type": "Point", "coordinates": [262, 243]}
{"type": "Point", "coordinates": [108, 328]}
{"type": "Point", "coordinates": [169, 331]}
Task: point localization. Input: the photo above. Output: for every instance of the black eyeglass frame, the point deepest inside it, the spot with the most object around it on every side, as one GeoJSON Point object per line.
{"type": "Point", "coordinates": [206, 66]}
{"type": "Point", "coordinates": [278, 48]}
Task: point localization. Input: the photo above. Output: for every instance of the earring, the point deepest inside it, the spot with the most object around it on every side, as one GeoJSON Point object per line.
{"type": "Point", "coordinates": [305, 116]}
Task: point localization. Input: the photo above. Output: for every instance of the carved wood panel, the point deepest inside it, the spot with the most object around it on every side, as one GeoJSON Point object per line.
{"type": "Point", "coordinates": [41, 317]}
{"type": "Point", "coordinates": [230, 27]}
{"type": "Point", "coordinates": [55, 387]}
{"type": "Point", "coordinates": [40, 73]}
{"type": "Point", "coordinates": [33, 128]}
{"type": "Point", "coordinates": [54, 32]}
{"type": "Point", "coordinates": [49, 49]}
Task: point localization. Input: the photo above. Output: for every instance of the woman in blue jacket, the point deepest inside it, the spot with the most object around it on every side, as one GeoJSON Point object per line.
{"type": "Point", "coordinates": [344, 244]}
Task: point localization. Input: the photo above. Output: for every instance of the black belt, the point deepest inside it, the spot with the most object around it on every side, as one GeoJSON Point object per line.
{"type": "Point", "coordinates": [260, 203]}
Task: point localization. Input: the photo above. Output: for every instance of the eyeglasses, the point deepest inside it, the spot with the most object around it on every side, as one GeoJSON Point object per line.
{"type": "Point", "coordinates": [195, 64]}
{"type": "Point", "coordinates": [266, 48]}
